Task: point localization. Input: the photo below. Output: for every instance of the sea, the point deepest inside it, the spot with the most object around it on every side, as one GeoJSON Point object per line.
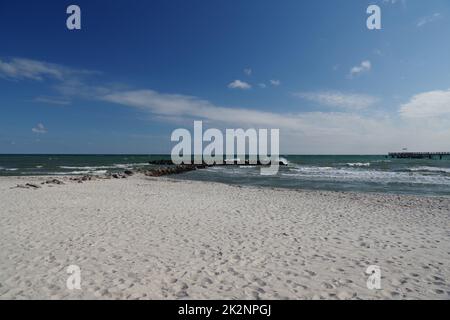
{"type": "Point", "coordinates": [358, 173]}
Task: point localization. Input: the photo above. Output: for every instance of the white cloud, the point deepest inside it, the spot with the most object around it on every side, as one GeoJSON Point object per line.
{"type": "Point", "coordinates": [427, 104]}
{"type": "Point", "coordinates": [40, 128]}
{"type": "Point", "coordinates": [303, 132]}
{"type": "Point", "coordinates": [364, 67]}
{"type": "Point", "coordinates": [238, 84]}
{"type": "Point", "coordinates": [349, 101]}
{"type": "Point", "coordinates": [262, 85]}
{"type": "Point", "coordinates": [248, 71]}
{"type": "Point", "coordinates": [428, 19]}
{"type": "Point", "coordinates": [275, 83]}
{"type": "Point", "coordinates": [27, 69]}
{"type": "Point", "coordinates": [176, 106]}
{"type": "Point", "coordinates": [50, 100]}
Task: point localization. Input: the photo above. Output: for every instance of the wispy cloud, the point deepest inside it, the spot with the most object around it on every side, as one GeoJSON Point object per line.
{"type": "Point", "coordinates": [349, 101]}
{"type": "Point", "coordinates": [364, 67]}
{"type": "Point", "coordinates": [238, 84]}
{"type": "Point", "coordinates": [27, 69]}
{"type": "Point", "coordinates": [51, 100]}
{"type": "Point", "coordinates": [275, 82]}
{"type": "Point", "coordinates": [40, 129]}
{"type": "Point", "coordinates": [428, 19]}
{"type": "Point", "coordinates": [248, 71]}
{"type": "Point", "coordinates": [19, 69]}
{"type": "Point", "coordinates": [69, 82]}
{"type": "Point", "coordinates": [175, 105]}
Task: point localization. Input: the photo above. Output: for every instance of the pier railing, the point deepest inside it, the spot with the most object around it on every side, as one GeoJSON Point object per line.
{"type": "Point", "coordinates": [418, 155]}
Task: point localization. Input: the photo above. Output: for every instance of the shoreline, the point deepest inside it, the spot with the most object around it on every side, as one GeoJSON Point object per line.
{"type": "Point", "coordinates": [369, 174]}
{"type": "Point", "coordinates": [42, 178]}
{"type": "Point", "coordinates": [166, 238]}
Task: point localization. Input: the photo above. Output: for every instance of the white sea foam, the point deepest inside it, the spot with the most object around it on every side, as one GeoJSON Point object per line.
{"type": "Point", "coordinates": [311, 169]}
{"type": "Point", "coordinates": [231, 161]}
{"type": "Point", "coordinates": [85, 167]}
{"type": "Point", "coordinates": [430, 169]}
{"type": "Point", "coordinates": [99, 172]}
{"type": "Point", "coordinates": [93, 172]}
{"type": "Point", "coordinates": [359, 164]}
{"type": "Point", "coordinates": [8, 169]}
{"type": "Point", "coordinates": [283, 160]}
{"type": "Point", "coordinates": [367, 175]}
{"type": "Point", "coordinates": [121, 166]}
{"type": "Point", "coordinates": [114, 166]}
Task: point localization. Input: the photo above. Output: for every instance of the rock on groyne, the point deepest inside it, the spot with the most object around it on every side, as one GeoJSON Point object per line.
{"type": "Point", "coordinates": [169, 168]}
{"type": "Point", "coordinates": [165, 171]}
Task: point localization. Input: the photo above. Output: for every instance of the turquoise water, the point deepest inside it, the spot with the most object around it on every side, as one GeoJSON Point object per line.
{"type": "Point", "coordinates": [338, 173]}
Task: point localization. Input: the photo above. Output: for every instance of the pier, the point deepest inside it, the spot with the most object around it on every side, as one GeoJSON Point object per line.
{"type": "Point", "coordinates": [418, 155]}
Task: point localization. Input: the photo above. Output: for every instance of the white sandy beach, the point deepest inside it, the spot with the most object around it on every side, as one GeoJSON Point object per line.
{"type": "Point", "coordinates": [159, 238]}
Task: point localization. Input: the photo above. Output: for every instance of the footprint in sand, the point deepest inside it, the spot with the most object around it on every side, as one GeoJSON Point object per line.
{"type": "Point", "coordinates": [310, 273]}
{"type": "Point", "coordinates": [327, 285]}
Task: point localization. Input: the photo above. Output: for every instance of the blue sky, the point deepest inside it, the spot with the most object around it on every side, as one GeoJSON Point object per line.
{"type": "Point", "coordinates": [137, 70]}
